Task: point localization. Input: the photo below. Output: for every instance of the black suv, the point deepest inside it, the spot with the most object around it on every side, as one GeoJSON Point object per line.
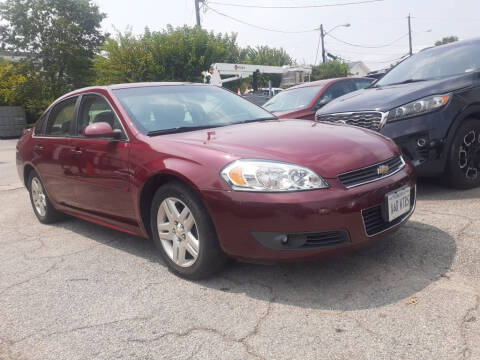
{"type": "Point", "coordinates": [429, 104]}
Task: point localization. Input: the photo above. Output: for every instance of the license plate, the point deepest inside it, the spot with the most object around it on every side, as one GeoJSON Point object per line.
{"type": "Point", "coordinates": [398, 203]}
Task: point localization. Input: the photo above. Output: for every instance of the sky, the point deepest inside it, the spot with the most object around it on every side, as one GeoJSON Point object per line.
{"type": "Point", "coordinates": [371, 24]}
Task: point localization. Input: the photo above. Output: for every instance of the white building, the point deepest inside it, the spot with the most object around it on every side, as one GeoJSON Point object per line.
{"type": "Point", "coordinates": [358, 68]}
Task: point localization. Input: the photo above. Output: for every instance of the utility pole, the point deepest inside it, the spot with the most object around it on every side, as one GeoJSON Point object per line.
{"type": "Point", "coordinates": [322, 36]}
{"type": "Point", "coordinates": [410, 34]}
{"type": "Point", "coordinates": [197, 11]}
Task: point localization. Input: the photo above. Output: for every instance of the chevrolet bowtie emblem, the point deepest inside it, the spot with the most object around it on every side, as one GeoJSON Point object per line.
{"type": "Point", "coordinates": [383, 169]}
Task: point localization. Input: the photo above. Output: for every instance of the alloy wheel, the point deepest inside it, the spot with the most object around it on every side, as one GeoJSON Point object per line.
{"type": "Point", "coordinates": [469, 155]}
{"type": "Point", "coordinates": [38, 197]}
{"type": "Point", "coordinates": [178, 232]}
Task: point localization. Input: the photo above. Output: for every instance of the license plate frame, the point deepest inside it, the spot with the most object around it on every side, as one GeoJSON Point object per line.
{"type": "Point", "coordinates": [397, 203]}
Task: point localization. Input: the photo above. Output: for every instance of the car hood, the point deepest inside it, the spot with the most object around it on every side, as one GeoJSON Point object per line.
{"type": "Point", "coordinates": [388, 97]}
{"type": "Point", "coordinates": [328, 149]}
{"type": "Point", "coordinates": [288, 113]}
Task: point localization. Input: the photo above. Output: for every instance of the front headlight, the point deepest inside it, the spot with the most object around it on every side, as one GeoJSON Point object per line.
{"type": "Point", "coordinates": [270, 176]}
{"type": "Point", "coordinates": [418, 107]}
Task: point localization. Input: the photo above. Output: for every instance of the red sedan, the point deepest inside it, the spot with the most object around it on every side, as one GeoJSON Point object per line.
{"type": "Point", "coordinates": [209, 175]}
{"type": "Point", "coordinates": [302, 101]}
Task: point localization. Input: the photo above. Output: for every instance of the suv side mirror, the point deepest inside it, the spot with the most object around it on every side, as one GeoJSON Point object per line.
{"type": "Point", "coordinates": [101, 130]}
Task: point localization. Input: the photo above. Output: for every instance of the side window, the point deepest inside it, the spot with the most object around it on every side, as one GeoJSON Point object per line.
{"type": "Point", "coordinates": [94, 109]}
{"type": "Point", "coordinates": [362, 84]}
{"type": "Point", "coordinates": [336, 90]}
{"type": "Point", "coordinates": [60, 121]}
{"type": "Point", "coordinates": [40, 125]}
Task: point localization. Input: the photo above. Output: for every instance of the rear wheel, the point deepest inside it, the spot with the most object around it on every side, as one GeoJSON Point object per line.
{"type": "Point", "coordinates": [184, 233]}
{"type": "Point", "coordinates": [463, 168]}
{"type": "Point", "coordinates": [42, 207]}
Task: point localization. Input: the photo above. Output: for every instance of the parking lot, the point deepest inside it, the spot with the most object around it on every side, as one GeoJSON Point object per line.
{"type": "Point", "coordinates": [75, 290]}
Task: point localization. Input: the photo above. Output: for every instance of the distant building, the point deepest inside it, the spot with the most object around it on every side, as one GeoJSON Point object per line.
{"type": "Point", "coordinates": [358, 68]}
{"type": "Point", "coordinates": [296, 75]}
{"type": "Point", "coordinates": [13, 55]}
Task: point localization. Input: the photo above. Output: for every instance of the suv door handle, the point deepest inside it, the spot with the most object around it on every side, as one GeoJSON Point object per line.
{"type": "Point", "coordinates": [76, 151]}
{"type": "Point", "coordinates": [38, 149]}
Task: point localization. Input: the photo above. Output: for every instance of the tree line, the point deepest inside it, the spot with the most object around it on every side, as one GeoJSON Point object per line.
{"type": "Point", "coordinates": [63, 48]}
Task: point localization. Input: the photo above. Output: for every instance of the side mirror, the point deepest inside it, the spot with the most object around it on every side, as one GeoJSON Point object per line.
{"type": "Point", "coordinates": [101, 130]}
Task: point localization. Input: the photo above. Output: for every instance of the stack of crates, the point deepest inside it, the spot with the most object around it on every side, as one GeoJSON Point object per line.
{"type": "Point", "coordinates": [12, 121]}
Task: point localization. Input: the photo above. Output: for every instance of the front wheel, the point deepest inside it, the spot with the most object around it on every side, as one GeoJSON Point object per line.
{"type": "Point", "coordinates": [463, 170]}
{"type": "Point", "coordinates": [184, 233]}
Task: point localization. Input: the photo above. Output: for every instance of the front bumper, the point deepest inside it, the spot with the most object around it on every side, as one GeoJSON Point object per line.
{"type": "Point", "coordinates": [422, 140]}
{"type": "Point", "coordinates": [241, 218]}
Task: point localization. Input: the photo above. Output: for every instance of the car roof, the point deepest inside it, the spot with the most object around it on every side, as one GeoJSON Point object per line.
{"type": "Point", "coordinates": [325, 82]}
{"type": "Point", "coordinates": [459, 43]}
{"type": "Point", "coordinates": [126, 86]}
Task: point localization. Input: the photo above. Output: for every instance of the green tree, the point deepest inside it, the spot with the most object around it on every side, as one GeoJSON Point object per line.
{"type": "Point", "coordinates": [446, 40]}
{"type": "Point", "coordinates": [331, 69]}
{"type": "Point", "coordinates": [21, 85]}
{"type": "Point", "coordinates": [176, 54]}
{"type": "Point", "coordinates": [265, 55]}
{"type": "Point", "coordinates": [60, 36]}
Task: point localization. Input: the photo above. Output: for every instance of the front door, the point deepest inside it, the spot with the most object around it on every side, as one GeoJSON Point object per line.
{"type": "Point", "coordinates": [102, 186]}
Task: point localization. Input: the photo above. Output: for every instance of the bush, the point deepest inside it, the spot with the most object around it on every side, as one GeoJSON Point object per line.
{"type": "Point", "coordinates": [21, 86]}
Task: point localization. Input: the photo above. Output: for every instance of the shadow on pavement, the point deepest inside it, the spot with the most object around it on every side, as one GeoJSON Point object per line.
{"type": "Point", "coordinates": [435, 190]}
{"type": "Point", "coordinates": [391, 270]}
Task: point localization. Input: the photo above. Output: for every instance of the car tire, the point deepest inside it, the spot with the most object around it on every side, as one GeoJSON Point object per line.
{"type": "Point", "coordinates": [184, 233]}
{"type": "Point", "coordinates": [42, 207]}
{"type": "Point", "coordinates": [463, 168]}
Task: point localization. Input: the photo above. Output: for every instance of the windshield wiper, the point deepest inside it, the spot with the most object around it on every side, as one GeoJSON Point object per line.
{"type": "Point", "coordinates": [408, 81]}
{"type": "Point", "coordinates": [180, 129]}
{"type": "Point", "coordinates": [258, 119]}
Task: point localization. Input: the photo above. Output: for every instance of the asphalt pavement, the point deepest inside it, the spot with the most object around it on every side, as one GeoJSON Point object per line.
{"type": "Point", "coordinates": [75, 290]}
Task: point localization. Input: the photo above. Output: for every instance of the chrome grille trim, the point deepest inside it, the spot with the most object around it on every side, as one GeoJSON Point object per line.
{"type": "Point", "coordinates": [373, 167]}
{"type": "Point", "coordinates": [373, 120]}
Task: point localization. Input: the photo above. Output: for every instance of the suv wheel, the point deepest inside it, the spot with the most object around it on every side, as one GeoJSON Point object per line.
{"type": "Point", "coordinates": [184, 233]}
{"type": "Point", "coordinates": [464, 161]}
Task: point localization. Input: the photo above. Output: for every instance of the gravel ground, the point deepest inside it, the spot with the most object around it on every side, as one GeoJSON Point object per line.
{"type": "Point", "coordinates": [75, 290]}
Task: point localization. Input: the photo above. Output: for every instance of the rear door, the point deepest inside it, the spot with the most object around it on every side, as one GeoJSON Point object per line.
{"type": "Point", "coordinates": [102, 186]}
{"type": "Point", "coordinates": [54, 155]}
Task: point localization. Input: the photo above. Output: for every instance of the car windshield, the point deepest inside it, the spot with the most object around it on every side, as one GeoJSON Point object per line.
{"type": "Point", "coordinates": [434, 63]}
{"type": "Point", "coordinates": [292, 99]}
{"type": "Point", "coordinates": [174, 108]}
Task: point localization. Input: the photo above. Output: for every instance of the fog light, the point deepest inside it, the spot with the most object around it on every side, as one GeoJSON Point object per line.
{"type": "Point", "coordinates": [283, 239]}
{"type": "Point", "coordinates": [421, 142]}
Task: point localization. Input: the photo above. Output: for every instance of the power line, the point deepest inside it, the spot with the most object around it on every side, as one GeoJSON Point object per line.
{"type": "Point", "coordinates": [257, 26]}
{"type": "Point", "coordinates": [386, 61]}
{"type": "Point", "coordinates": [296, 6]}
{"type": "Point", "coordinates": [368, 46]}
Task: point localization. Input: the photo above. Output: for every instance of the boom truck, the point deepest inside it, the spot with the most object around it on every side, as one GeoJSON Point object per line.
{"type": "Point", "coordinates": [221, 73]}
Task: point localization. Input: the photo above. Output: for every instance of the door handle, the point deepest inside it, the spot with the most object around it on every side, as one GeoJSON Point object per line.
{"type": "Point", "coordinates": [76, 151]}
{"type": "Point", "coordinates": [38, 149]}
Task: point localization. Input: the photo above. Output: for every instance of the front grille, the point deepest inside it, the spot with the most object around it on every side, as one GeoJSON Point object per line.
{"type": "Point", "coordinates": [373, 219]}
{"type": "Point", "coordinates": [372, 173]}
{"type": "Point", "coordinates": [367, 119]}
